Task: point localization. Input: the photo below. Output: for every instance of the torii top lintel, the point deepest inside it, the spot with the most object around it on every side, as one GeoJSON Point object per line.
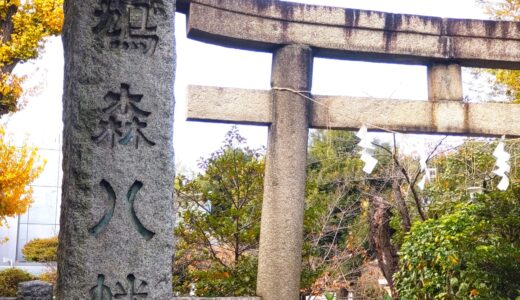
{"type": "Point", "coordinates": [263, 25]}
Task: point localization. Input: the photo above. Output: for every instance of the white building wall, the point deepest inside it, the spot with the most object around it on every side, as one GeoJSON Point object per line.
{"type": "Point", "coordinates": [8, 248]}
{"type": "Point", "coordinates": [38, 124]}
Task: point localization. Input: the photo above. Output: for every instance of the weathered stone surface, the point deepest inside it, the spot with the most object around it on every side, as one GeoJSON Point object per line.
{"type": "Point", "coordinates": [445, 82]}
{"type": "Point", "coordinates": [281, 228]}
{"type": "Point", "coordinates": [34, 290]}
{"type": "Point", "coordinates": [117, 204]}
{"type": "Point", "coordinates": [354, 34]}
{"type": "Point", "coordinates": [220, 105]}
{"type": "Point", "coordinates": [343, 112]}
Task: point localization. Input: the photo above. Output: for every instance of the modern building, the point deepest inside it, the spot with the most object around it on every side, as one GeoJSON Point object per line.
{"type": "Point", "coordinates": [42, 218]}
{"type": "Point", "coordinates": [39, 125]}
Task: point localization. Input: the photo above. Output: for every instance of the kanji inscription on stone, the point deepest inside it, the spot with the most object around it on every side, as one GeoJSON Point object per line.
{"type": "Point", "coordinates": [123, 121]}
{"type": "Point", "coordinates": [130, 291]}
{"type": "Point", "coordinates": [100, 291]}
{"type": "Point", "coordinates": [118, 161]}
{"type": "Point", "coordinates": [129, 24]}
{"type": "Point", "coordinates": [107, 217]}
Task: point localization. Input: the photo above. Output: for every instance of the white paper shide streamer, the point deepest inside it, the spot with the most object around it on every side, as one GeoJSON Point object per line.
{"type": "Point", "coordinates": [367, 151]}
{"type": "Point", "coordinates": [502, 165]}
{"type": "Point", "coordinates": [423, 159]}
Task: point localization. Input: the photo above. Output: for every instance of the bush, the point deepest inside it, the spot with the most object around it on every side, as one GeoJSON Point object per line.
{"type": "Point", "coordinates": [472, 253]}
{"type": "Point", "coordinates": [9, 280]}
{"type": "Point", "coordinates": [41, 250]}
{"type": "Point", "coordinates": [50, 277]}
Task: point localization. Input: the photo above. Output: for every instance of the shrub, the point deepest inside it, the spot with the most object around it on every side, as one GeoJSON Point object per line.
{"type": "Point", "coordinates": [50, 277]}
{"type": "Point", "coordinates": [41, 250]}
{"type": "Point", "coordinates": [9, 279]}
{"type": "Point", "coordinates": [472, 253]}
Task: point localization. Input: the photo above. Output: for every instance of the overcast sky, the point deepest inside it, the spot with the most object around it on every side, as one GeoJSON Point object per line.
{"type": "Point", "coordinates": [40, 121]}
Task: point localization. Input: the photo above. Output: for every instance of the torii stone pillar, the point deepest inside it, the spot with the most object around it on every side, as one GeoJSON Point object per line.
{"type": "Point", "coordinates": [116, 236]}
{"type": "Point", "coordinates": [281, 233]}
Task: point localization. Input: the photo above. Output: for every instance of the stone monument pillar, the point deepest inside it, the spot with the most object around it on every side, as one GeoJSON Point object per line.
{"type": "Point", "coordinates": [117, 204]}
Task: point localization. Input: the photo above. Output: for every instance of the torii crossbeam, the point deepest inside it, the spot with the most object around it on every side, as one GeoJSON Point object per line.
{"type": "Point", "coordinates": [295, 33]}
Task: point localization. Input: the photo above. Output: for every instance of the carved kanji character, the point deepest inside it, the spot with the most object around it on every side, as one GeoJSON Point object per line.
{"type": "Point", "coordinates": [126, 23]}
{"type": "Point", "coordinates": [123, 119]}
{"type": "Point", "coordinates": [107, 217]}
{"type": "Point", "coordinates": [130, 291]}
{"type": "Point", "coordinates": [101, 291]}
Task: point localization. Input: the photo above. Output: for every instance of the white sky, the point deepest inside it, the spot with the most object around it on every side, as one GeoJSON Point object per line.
{"type": "Point", "coordinates": [198, 63]}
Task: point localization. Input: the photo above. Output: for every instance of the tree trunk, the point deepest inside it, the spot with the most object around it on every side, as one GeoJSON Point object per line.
{"type": "Point", "coordinates": [343, 294]}
{"type": "Point", "coordinates": [380, 239]}
{"type": "Point", "coordinates": [401, 206]}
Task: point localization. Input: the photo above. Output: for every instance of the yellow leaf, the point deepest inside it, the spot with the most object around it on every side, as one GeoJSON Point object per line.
{"type": "Point", "coordinates": [453, 259]}
{"type": "Point", "coordinates": [31, 22]}
{"type": "Point", "coordinates": [473, 293]}
{"type": "Point", "coordinates": [19, 167]}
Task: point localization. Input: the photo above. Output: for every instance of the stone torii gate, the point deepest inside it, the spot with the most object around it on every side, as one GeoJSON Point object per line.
{"type": "Point", "coordinates": [117, 204]}
{"type": "Point", "coordinates": [295, 34]}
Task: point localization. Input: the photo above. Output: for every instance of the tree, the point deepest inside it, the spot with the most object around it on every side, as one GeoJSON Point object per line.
{"type": "Point", "coordinates": [466, 248]}
{"type": "Point", "coordinates": [353, 219]}
{"type": "Point", "coordinates": [337, 254]}
{"type": "Point", "coordinates": [502, 9]}
{"type": "Point", "coordinates": [331, 252]}
{"type": "Point", "coordinates": [18, 168]}
{"type": "Point", "coordinates": [508, 10]}
{"type": "Point", "coordinates": [23, 27]}
{"type": "Point", "coordinates": [472, 253]}
{"type": "Point", "coordinates": [219, 222]}
{"type": "Point", "coordinates": [396, 202]}
{"type": "Point", "coordinates": [331, 255]}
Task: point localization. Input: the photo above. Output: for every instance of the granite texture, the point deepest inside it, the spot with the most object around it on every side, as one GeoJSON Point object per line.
{"type": "Point", "coordinates": [346, 112]}
{"type": "Point", "coordinates": [281, 228]}
{"type": "Point", "coordinates": [34, 290]}
{"type": "Point", "coordinates": [116, 222]}
{"type": "Point", "coordinates": [445, 82]}
{"type": "Point", "coordinates": [335, 32]}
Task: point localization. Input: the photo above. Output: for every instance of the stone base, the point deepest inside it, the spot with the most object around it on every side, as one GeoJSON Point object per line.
{"type": "Point", "coordinates": [34, 290]}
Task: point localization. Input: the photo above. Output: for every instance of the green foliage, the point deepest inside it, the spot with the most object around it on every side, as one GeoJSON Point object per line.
{"type": "Point", "coordinates": [467, 166]}
{"type": "Point", "coordinates": [332, 206]}
{"type": "Point", "coordinates": [430, 257]}
{"type": "Point", "coordinates": [330, 179]}
{"type": "Point", "coordinates": [41, 250]}
{"type": "Point", "coordinates": [472, 253]}
{"type": "Point", "coordinates": [219, 222]}
{"type": "Point", "coordinates": [461, 251]}
{"type": "Point", "coordinates": [9, 279]}
{"type": "Point", "coordinates": [219, 280]}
